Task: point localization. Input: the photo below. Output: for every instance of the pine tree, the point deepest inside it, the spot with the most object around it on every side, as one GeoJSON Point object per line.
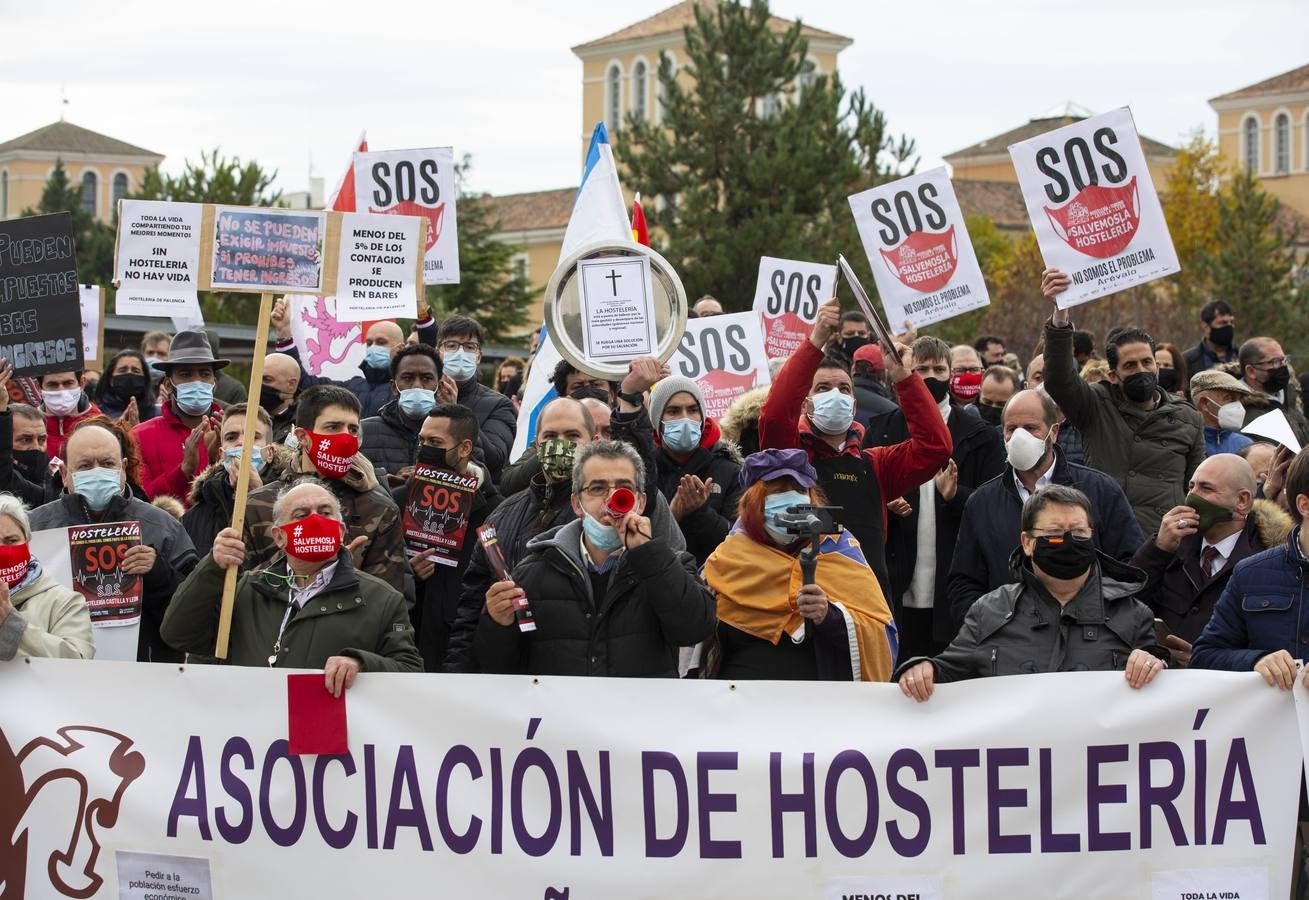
{"type": "Point", "coordinates": [758, 157]}
{"type": "Point", "coordinates": [94, 240]}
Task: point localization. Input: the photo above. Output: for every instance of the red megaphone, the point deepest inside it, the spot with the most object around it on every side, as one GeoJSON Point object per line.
{"type": "Point", "coordinates": [620, 503]}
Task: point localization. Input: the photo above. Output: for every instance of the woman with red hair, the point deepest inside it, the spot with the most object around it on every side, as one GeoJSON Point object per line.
{"type": "Point", "coordinates": [770, 624]}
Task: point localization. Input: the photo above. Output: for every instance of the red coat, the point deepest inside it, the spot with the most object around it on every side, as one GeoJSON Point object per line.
{"type": "Point", "coordinates": [899, 468]}
{"type": "Point", "coordinates": [160, 441]}
{"type": "Point", "coordinates": [56, 429]}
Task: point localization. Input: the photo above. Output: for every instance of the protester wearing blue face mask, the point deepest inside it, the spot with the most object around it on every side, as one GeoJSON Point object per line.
{"type": "Point", "coordinates": [214, 492]}
{"type": "Point", "coordinates": [698, 471]}
{"type": "Point", "coordinates": [95, 477]}
{"type": "Point", "coordinates": [460, 341]}
{"type": "Point", "coordinates": [175, 445]}
{"type": "Point", "coordinates": [390, 438]}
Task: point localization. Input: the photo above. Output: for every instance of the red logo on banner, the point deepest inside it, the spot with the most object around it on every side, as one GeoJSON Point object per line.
{"type": "Point", "coordinates": [434, 215]}
{"type": "Point", "coordinates": [924, 262]}
{"type": "Point", "coordinates": [1100, 221]}
{"type": "Point", "coordinates": [721, 387]}
{"type": "Point", "coordinates": [784, 334]}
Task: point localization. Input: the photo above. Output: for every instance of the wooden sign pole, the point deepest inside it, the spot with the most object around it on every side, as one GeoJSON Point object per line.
{"type": "Point", "coordinates": [243, 474]}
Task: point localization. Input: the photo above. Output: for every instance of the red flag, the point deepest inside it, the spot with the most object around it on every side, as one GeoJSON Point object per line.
{"type": "Point", "coordinates": [343, 198]}
{"type": "Point", "coordinates": [640, 232]}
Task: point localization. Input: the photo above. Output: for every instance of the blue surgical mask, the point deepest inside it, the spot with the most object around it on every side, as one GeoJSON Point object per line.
{"type": "Point", "coordinates": [833, 412]}
{"type": "Point", "coordinates": [775, 505]}
{"type": "Point", "coordinates": [195, 397]}
{"type": "Point", "coordinates": [291, 442]}
{"type": "Point", "coordinates": [602, 537]}
{"type": "Point", "coordinates": [459, 364]}
{"type": "Point", "coordinates": [377, 357]}
{"type": "Point", "coordinates": [155, 372]}
{"type": "Point", "coordinates": [98, 487]}
{"type": "Point", "coordinates": [257, 460]}
{"type": "Point", "coordinates": [682, 435]}
{"type": "Point", "coordinates": [416, 403]}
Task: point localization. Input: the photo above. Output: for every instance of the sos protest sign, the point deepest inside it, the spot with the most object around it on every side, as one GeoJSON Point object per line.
{"type": "Point", "coordinates": [40, 316]}
{"type": "Point", "coordinates": [1093, 206]}
{"type": "Point", "coordinates": [724, 356]}
{"type": "Point", "coordinates": [436, 513]}
{"type": "Point", "coordinates": [787, 296]}
{"type": "Point", "coordinates": [97, 554]}
{"type": "Point", "coordinates": [415, 183]}
{"type": "Point", "coordinates": [917, 244]}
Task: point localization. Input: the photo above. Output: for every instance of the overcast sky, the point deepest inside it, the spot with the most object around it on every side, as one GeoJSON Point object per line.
{"type": "Point", "coordinates": [284, 83]}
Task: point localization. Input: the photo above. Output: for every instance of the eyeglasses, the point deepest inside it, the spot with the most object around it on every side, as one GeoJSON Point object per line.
{"type": "Point", "coordinates": [604, 488]}
{"type": "Point", "coordinates": [1275, 363]}
{"type": "Point", "coordinates": [967, 370]}
{"type": "Point", "coordinates": [452, 346]}
{"type": "Point", "coordinates": [1081, 534]}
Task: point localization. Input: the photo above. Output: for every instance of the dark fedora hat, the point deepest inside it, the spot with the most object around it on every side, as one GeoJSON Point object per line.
{"type": "Point", "coordinates": [191, 348]}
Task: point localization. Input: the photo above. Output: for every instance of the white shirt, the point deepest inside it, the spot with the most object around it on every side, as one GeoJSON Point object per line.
{"type": "Point", "coordinates": [301, 596]}
{"type": "Point", "coordinates": [1224, 548]}
{"type": "Point", "coordinates": [921, 593]}
{"type": "Point", "coordinates": [1047, 478]}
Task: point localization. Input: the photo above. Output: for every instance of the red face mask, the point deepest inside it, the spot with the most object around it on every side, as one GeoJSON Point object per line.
{"type": "Point", "coordinates": [967, 386]}
{"type": "Point", "coordinates": [314, 538]}
{"type": "Point", "coordinates": [14, 562]}
{"type": "Point", "coordinates": [332, 454]}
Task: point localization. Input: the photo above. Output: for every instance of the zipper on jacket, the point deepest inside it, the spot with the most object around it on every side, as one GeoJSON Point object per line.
{"type": "Point", "coordinates": [995, 665]}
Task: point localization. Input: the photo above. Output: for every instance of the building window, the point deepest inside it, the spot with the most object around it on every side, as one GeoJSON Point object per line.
{"type": "Point", "coordinates": [120, 187]}
{"type": "Point", "coordinates": [639, 91]}
{"type": "Point", "coordinates": [769, 106]}
{"type": "Point", "coordinates": [89, 183]}
{"type": "Point", "coordinates": [521, 263]}
{"type": "Point", "coordinates": [4, 195]}
{"type": "Point", "coordinates": [808, 76]}
{"type": "Point", "coordinates": [1282, 143]}
{"type": "Point", "coordinates": [1250, 142]}
{"type": "Point", "coordinates": [614, 87]}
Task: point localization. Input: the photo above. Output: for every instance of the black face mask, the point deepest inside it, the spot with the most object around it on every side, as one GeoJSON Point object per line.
{"type": "Point", "coordinates": [1064, 557]}
{"type": "Point", "coordinates": [127, 386]}
{"type": "Point", "coordinates": [990, 414]}
{"type": "Point", "coordinates": [1168, 379]}
{"type": "Point", "coordinates": [1222, 336]}
{"type": "Point", "coordinates": [1140, 387]}
{"type": "Point", "coordinates": [269, 398]}
{"type": "Point", "coordinates": [850, 345]}
{"type": "Point", "coordinates": [437, 457]}
{"type": "Point", "coordinates": [33, 463]}
{"type": "Point", "coordinates": [1278, 379]}
{"type": "Point", "coordinates": [938, 387]}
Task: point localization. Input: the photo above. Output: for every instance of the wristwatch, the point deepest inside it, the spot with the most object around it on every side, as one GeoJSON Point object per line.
{"type": "Point", "coordinates": [637, 399]}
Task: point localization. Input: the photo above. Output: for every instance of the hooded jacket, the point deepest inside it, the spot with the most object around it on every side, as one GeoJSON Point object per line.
{"type": "Point", "coordinates": [740, 424]}
{"type": "Point", "coordinates": [161, 443]}
{"type": "Point", "coordinates": [48, 619]}
{"type": "Point", "coordinates": [706, 527]}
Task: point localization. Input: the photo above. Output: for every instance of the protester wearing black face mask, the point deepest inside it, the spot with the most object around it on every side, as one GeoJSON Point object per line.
{"type": "Point", "coordinates": [1266, 370]}
{"type": "Point", "coordinates": [1218, 342]}
{"type": "Point", "coordinates": [24, 463]}
{"type": "Point", "coordinates": [124, 381]}
{"type": "Point", "coordinates": [278, 392]}
{"type": "Point", "coordinates": [1070, 608]}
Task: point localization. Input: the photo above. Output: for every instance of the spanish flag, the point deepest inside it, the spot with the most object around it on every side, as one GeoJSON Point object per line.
{"type": "Point", "coordinates": [640, 233]}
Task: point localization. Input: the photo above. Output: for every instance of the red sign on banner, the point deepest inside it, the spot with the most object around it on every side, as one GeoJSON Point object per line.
{"type": "Point", "coordinates": [97, 555]}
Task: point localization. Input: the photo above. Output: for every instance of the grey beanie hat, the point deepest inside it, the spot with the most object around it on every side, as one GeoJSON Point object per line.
{"type": "Point", "coordinates": [664, 390]}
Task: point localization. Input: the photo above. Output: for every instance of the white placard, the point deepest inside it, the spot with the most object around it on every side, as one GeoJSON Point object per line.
{"type": "Point", "coordinates": [1093, 206]}
{"type": "Point", "coordinates": [90, 298]}
{"type": "Point", "coordinates": [1274, 426]}
{"type": "Point", "coordinates": [787, 295]}
{"type": "Point", "coordinates": [150, 876]}
{"type": "Point", "coordinates": [375, 272]}
{"type": "Point", "coordinates": [724, 356]}
{"type": "Point", "coordinates": [51, 547]}
{"type": "Point", "coordinates": [415, 183]}
{"type": "Point", "coordinates": [157, 265]}
{"type": "Point", "coordinates": [918, 246]}
{"type": "Point", "coordinates": [617, 299]}
{"type": "Point", "coordinates": [1241, 883]}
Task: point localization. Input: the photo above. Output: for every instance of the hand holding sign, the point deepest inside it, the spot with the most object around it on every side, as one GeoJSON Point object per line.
{"type": "Point", "coordinates": [1054, 283]}
{"type": "Point", "coordinates": [139, 560]}
{"type": "Point", "coordinates": [827, 324]}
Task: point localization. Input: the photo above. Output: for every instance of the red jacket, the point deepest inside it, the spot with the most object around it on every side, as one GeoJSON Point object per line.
{"type": "Point", "coordinates": [899, 468]}
{"type": "Point", "coordinates": [160, 440]}
{"type": "Point", "coordinates": [56, 429]}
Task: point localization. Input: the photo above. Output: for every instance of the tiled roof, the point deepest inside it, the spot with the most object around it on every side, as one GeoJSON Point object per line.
{"type": "Point", "coordinates": [682, 15]}
{"type": "Point", "coordinates": [1287, 82]}
{"type": "Point", "coordinates": [535, 210]}
{"type": "Point", "coordinates": [65, 137]}
{"type": "Point", "coordinates": [1000, 143]}
{"type": "Point", "coordinates": [999, 201]}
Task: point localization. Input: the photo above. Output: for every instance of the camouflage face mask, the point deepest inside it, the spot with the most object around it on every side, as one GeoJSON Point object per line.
{"type": "Point", "coordinates": [557, 455]}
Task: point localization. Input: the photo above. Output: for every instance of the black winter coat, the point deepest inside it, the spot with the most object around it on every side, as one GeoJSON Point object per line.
{"type": "Point", "coordinates": [212, 498]}
{"type": "Point", "coordinates": [388, 441]}
{"type": "Point", "coordinates": [705, 528]}
{"type": "Point", "coordinates": [373, 387]}
{"type": "Point", "coordinates": [654, 604]}
{"type": "Point", "coordinates": [871, 406]}
{"type": "Point", "coordinates": [498, 421]}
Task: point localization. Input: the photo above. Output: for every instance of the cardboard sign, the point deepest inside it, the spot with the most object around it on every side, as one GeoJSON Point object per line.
{"type": "Point", "coordinates": [787, 296]}
{"type": "Point", "coordinates": [267, 249]}
{"type": "Point", "coordinates": [617, 300]}
{"type": "Point", "coordinates": [436, 513]}
{"type": "Point", "coordinates": [917, 244]}
{"type": "Point", "coordinates": [376, 271]}
{"type": "Point", "coordinates": [1093, 206]}
{"type": "Point", "coordinates": [91, 303]}
{"type": "Point", "coordinates": [40, 316]}
{"type": "Point", "coordinates": [724, 356]}
{"type": "Point", "coordinates": [415, 183]}
{"type": "Point", "coordinates": [157, 267]}
{"type": "Point", "coordinates": [97, 558]}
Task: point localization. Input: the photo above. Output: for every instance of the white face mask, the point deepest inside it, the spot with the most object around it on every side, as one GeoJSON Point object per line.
{"type": "Point", "coordinates": [62, 403]}
{"type": "Point", "coordinates": [1025, 450]}
{"type": "Point", "coordinates": [1231, 416]}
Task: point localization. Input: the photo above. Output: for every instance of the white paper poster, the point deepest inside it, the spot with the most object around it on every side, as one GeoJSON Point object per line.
{"type": "Point", "coordinates": [158, 260]}
{"type": "Point", "coordinates": [91, 300]}
{"type": "Point", "coordinates": [724, 356]}
{"type": "Point", "coordinates": [1093, 206]}
{"type": "Point", "coordinates": [415, 183]}
{"type": "Point", "coordinates": [52, 548]}
{"type": "Point", "coordinates": [918, 247]}
{"type": "Point", "coordinates": [787, 295]}
{"type": "Point", "coordinates": [617, 299]}
{"type": "Point", "coordinates": [375, 276]}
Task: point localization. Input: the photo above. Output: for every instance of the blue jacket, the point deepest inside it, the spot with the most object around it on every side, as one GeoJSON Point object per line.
{"type": "Point", "coordinates": [1261, 611]}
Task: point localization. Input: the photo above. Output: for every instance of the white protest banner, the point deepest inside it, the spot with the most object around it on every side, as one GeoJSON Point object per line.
{"type": "Point", "coordinates": [518, 788]}
{"type": "Point", "coordinates": [379, 268]}
{"type": "Point", "coordinates": [157, 261]}
{"type": "Point", "coordinates": [415, 183]}
{"type": "Point", "coordinates": [617, 299]}
{"type": "Point", "coordinates": [918, 246]}
{"type": "Point", "coordinates": [1275, 427]}
{"type": "Point", "coordinates": [724, 356]}
{"type": "Point", "coordinates": [1093, 206]}
{"type": "Point", "coordinates": [91, 299]}
{"type": "Point", "coordinates": [328, 346]}
{"type": "Point", "coordinates": [787, 295]}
